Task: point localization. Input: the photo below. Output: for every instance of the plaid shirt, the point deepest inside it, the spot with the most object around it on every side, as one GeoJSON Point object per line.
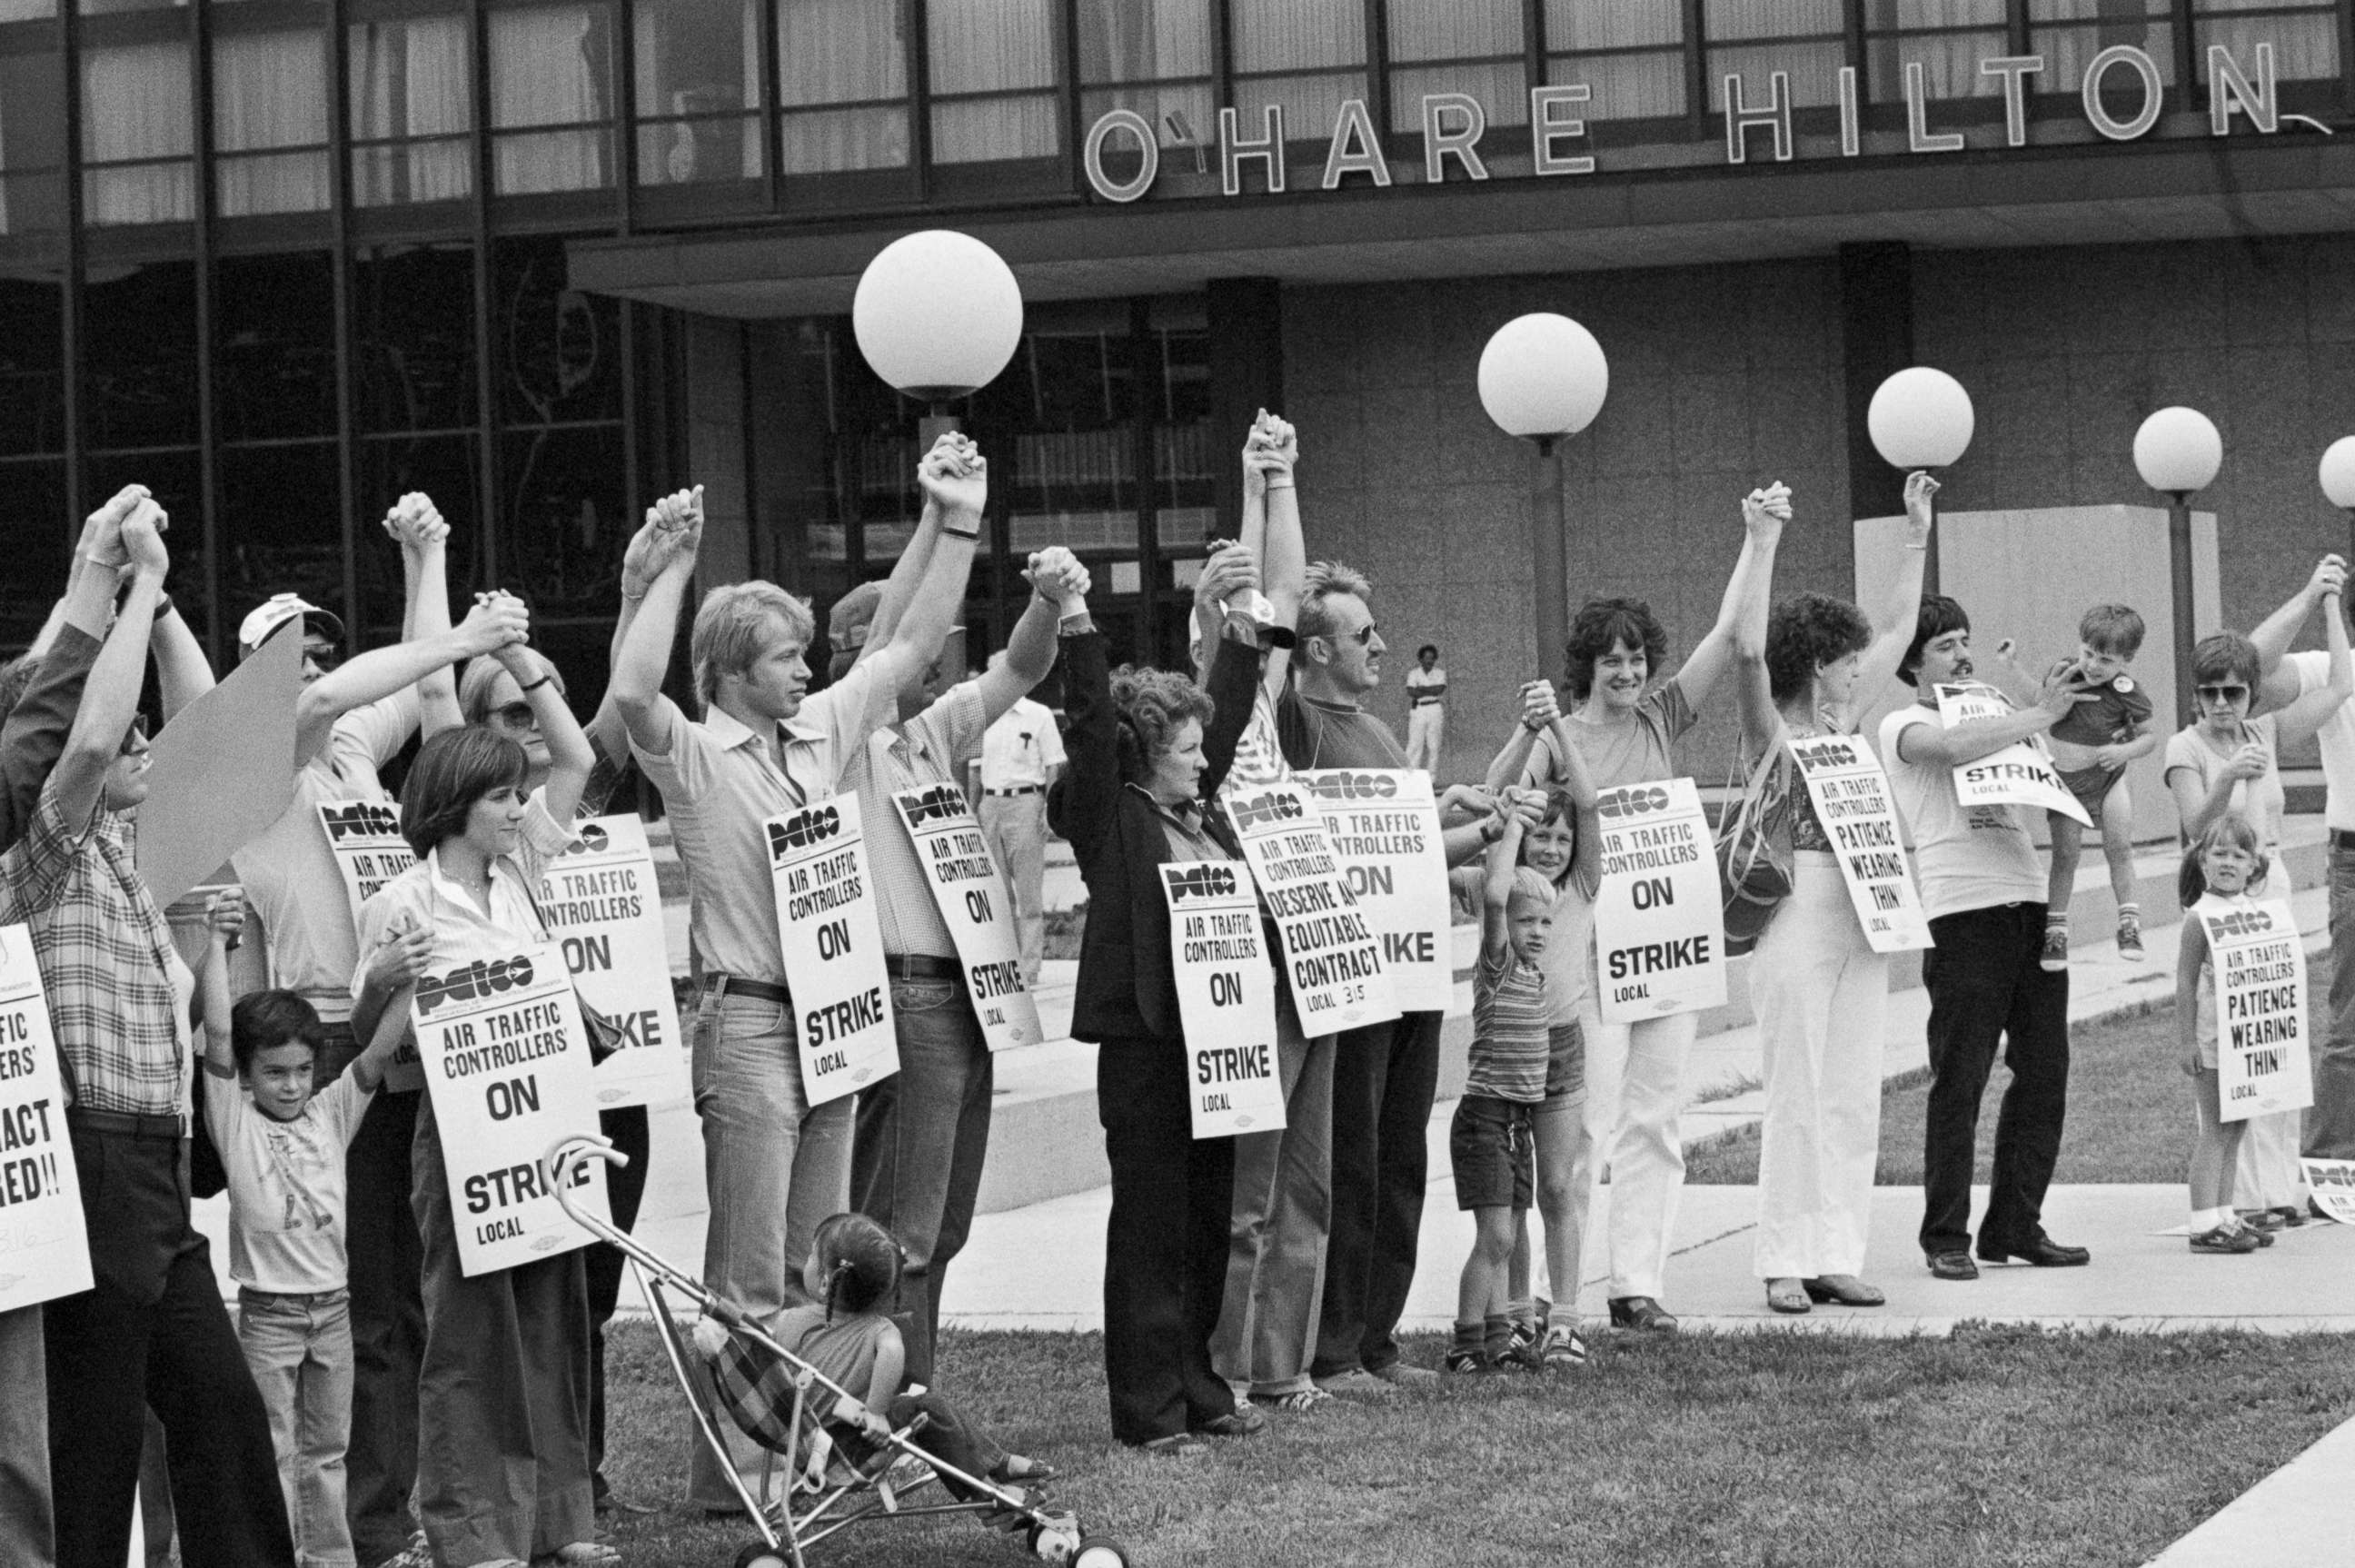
{"type": "Point", "coordinates": [105, 956]}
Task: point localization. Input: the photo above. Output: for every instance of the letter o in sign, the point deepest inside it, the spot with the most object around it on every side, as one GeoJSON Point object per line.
{"type": "Point", "coordinates": [1149, 150]}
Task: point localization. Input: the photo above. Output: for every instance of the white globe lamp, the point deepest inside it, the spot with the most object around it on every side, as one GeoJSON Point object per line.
{"type": "Point", "coordinates": [2178, 452]}
{"type": "Point", "coordinates": [1920, 418]}
{"type": "Point", "coordinates": [1543, 377]}
{"type": "Point", "coordinates": [937, 314]}
{"type": "Point", "coordinates": [2338, 473]}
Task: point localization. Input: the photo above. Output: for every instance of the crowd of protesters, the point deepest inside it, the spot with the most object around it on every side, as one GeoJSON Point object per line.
{"type": "Point", "coordinates": [372, 1401]}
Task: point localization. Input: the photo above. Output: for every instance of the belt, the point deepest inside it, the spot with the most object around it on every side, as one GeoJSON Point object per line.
{"type": "Point", "coordinates": [1018, 789]}
{"type": "Point", "coordinates": [759, 990]}
{"type": "Point", "coordinates": [122, 1124]}
{"type": "Point", "coordinates": [2340, 838]}
{"type": "Point", "coordinates": [1429, 701]}
{"type": "Point", "coordinates": [922, 966]}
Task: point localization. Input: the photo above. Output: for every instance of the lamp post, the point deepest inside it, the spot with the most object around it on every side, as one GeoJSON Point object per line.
{"type": "Point", "coordinates": [937, 314]}
{"type": "Point", "coordinates": [2339, 482]}
{"type": "Point", "coordinates": [1922, 417]}
{"type": "Point", "coordinates": [1543, 377]}
{"type": "Point", "coordinates": [2178, 452]}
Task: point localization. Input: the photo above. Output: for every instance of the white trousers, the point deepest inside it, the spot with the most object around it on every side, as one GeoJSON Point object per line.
{"type": "Point", "coordinates": [1819, 991]}
{"type": "Point", "coordinates": [1635, 1091]}
{"type": "Point", "coordinates": [1426, 733]}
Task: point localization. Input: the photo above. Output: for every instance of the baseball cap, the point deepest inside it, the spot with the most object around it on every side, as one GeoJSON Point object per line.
{"type": "Point", "coordinates": [281, 608]}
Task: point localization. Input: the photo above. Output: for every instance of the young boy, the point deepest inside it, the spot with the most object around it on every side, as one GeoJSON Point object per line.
{"type": "Point", "coordinates": [283, 1145]}
{"type": "Point", "coordinates": [2091, 748]}
{"type": "Point", "coordinates": [1489, 1143]}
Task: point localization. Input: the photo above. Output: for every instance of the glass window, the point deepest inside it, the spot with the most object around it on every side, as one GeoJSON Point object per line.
{"type": "Point", "coordinates": [32, 367]}
{"type": "Point", "coordinates": [140, 356]}
{"type": "Point", "coordinates": [1287, 55]}
{"type": "Point", "coordinates": [384, 470]}
{"type": "Point", "coordinates": [2070, 33]}
{"type": "Point", "coordinates": [411, 105]}
{"type": "Point", "coordinates": [1806, 38]}
{"type": "Point", "coordinates": [413, 338]}
{"type": "Point", "coordinates": [274, 370]}
{"type": "Point", "coordinates": [36, 536]}
{"type": "Point", "coordinates": [564, 518]}
{"type": "Point", "coordinates": [1480, 42]}
{"type": "Point", "coordinates": [270, 546]}
{"type": "Point", "coordinates": [843, 66]}
{"type": "Point", "coordinates": [1948, 38]}
{"type": "Point", "coordinates": [1629, 54]}
{"type": "Point", "coordinates": [2304, 34]}
{"type": "Point", "coordinates": [32, 142]}
{"type": "Point", "coordinates": [558, 352]}
{"type": "Point", "coordinates": [698, 69]}
{"type": "Point", "coordinates": [138, 133]}
{"type": "Point", "coordinates": [270, 91]}
{"type": "Point", "coordinates": [1152, 56]}
{"type": "Point", "coordinates": [549, 65]}
{"type": "Point", "coordinates": [988, 59]}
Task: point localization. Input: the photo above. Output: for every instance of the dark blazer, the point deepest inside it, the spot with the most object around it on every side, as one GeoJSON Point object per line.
{"type": "Point", "coordinates": [1126, 986]}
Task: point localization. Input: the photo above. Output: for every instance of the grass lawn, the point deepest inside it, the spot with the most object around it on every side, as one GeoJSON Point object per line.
{"type": "Point", "coordinates": [2129, 1107]}
{"type": "Point", "coordinates": [1992, 1447]}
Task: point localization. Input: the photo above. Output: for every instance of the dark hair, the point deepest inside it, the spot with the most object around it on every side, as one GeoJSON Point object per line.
{"type": "Point", "coordinates": [1559, 808]}
{"type": "Point", "coordinates": [1939, 615]}
{"type": "Point", "coordinates": [1807, 631]}
{"type": "Point", "coordinates": [1601, 623]}
{"type": "Point", "coordinates": [2225, 653]}
{"type": "Point", "coordinates": [2111, 629]}
{"type": "Point", "coordinates": [453, 771]}
{"type": "Point", "coordinates": [264, 1020]}
{"type": "Point", "coordinates": [860, 1261]}
{"type": "Point", "coordinates": [2191, 880]}
{"type": "Point", "coordinates": [1152, 706]}
{"type": "Point", "coordinates": [1431, 648]}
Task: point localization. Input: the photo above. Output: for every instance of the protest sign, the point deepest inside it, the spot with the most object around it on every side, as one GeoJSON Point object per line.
{"type": "Point", "coordinates": [2333, 1181]}
{"type": "Point", "coordinates": [1226, 997]}
{"type": "Point", "coordinates": [600, 901]}
{"type": "Point", "coordinates": [507, 1061]}
{"type": "Point", "coordinates": [44, 1248]}
{"type": "Point", "coordinates": [1384, 824]}
{"type": "Point", "coordinates": [1859, 815]}
{"type": "Point", "coordinates": [365, 837]}
{"type": "Point", "coordinates": [1332, 956]}
{"type": "Point", "coordinates": [971, 896]}
{"type": "Point", "coordinates": [2018, 774]}
{"type": "Point", "coordinates": [222, 771]}
{"type": "Point", "coordinates": [833, 948]}
{"type": "Point", "coordinates": [2262, 1063]}
{"type": "Point", "coordinates": [1659, 926]}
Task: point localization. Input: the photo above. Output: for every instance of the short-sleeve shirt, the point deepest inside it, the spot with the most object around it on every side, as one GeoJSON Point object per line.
{"type": "Point", "coordinates": [1621, 753]}
{"type": "Point", "coordinates": [1316, 734]}
{"type": "Point", "coordinates": [432, 901]}
{"type": "Point", "coordinates": [1511, 1028]}
{"type": "Point", "coordinates": [1022, 748]}
{"type": "Point", "coordinates": [1564, 961]}
{"type": "Point", "coordinates": [933, 748]}
{"type": "Point", "coordinates": [2260, 799]}
{"type": "Point", "coordinates": [1967, 857]}
{"type": "Point", "coordinates": [1424, 686]}
{"type": "Point", "coordinates": [286, 1227]}
{"type": "Point", "coordinates": [2118, 711]}
{"type": "Point", "coordinates": [720, 782]}
{"type": "Point", "coordinates": [2336, 737]}
{"type": "Point", "coordinates": [289, 873]}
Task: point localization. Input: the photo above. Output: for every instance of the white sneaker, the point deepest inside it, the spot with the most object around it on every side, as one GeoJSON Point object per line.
{"type": "Point", "coordinates": [1356, 1383]}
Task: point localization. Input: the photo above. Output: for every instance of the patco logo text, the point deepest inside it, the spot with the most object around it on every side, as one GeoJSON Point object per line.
{"type": "Point", "coordinates": [483, 978]}
{"type": "Point", "coordinates": [1259, 808]}
{"type": "Point", "coordinates": [361, 818]}
{"type": "Point", "coordinates": [815, 825]}
{"type": "Point", "coordinates": [1199, 881]}
{"type": "Point", "coordinates": [944, 801]}
{"type": "Point", "coordinates": [1634, 800]}
{"type": "Point", "coordinates": [1355, 786]}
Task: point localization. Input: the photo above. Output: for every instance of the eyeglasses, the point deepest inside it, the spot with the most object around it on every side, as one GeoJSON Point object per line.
{"type": "Point", "coordinates": [135, 739]}
{"type": "Point", "coordinates": [515, 716]}
{"type": "Point", "coordinates": [1364, 636]}
{"type": "Point", "coordinates": [325, 654]}
{"type": "Point", "coordinates": [2234, 693]}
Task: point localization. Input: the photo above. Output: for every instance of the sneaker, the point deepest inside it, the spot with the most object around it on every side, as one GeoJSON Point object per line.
{"type": "Point", "coordinates": [1563, 1350]}
{"type": "Point", "coordinates": [2263, 1222]}
{"type": "Point", "coordinates": [2130, 937]}
{"type": "Point", "coordinates": [1398, 1374]}
{"type": "Point", "coordinates": [1522, 1348]}
{"type": "Point", "coordinates": [2056, 950]}
{"type": "Point", "coordinates": [2290, 1214]}
{"type": "Point", "coordinates": [1299, 1400]}
{"type": "Point", "coordinates": [2226, 1238]}
{"type": "Point", "coordinates": [1357, 1383]}
{"type": "Point", "coordinates": [1461, 1363]}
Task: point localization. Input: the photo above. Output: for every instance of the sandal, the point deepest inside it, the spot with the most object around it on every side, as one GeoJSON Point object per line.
{"type": "Point", "coordinates": [1021, 1468]}
{"type": "Point", "coordinates": [1787, 1296]}
{"type": "Point", "coordinates": [1843, 1290]}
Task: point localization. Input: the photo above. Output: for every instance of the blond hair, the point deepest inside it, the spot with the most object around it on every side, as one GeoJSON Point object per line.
{"type": "Point", "coordinates": [736, 624]}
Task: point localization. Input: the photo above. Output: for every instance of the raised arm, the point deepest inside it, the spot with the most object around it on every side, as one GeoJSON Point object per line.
{"type": "Point", "coordinates": [570, 755]}
{"type": "Point", "coordinates": [1894, 617]}
{"type": "Point", "coordinates": [1080, 805]}
{"type": "Point", "coordinates": [1745, 594]}
{"type": "Point", "coordinates": [224, 919]}
{"type": "Point", "coordinates": [110, 697]}
{"type": "Point", "coordinates": [182, 673]}
{"type": "Point", "coordinates": [2309, 713]}
{"type": "Point", "coordinates": [1497, 886]}
{"type": "Point", "coordinates": [416, 525]}
{"type": "Point", "coordinates": [2277, 686]}
{"type": "Point", "coordinates": [380, 672]}
{"type": "Point", "coordinates": [1933, 745]}
{"type": "Point", "coordinates": [1282, 553]}
{"type": "Point", "coordinates": [908, 570]}
{"type": "Point", "coordinates": [1231, 567]}
{"type": "Point", "coordinates": [642, 652]}
{"type": "Point", "coordinates": [1058, 594]}
{"type": "Point", "coordinates": [956, 478]}
{"type": "Point", "coordinates": [1754, 691]}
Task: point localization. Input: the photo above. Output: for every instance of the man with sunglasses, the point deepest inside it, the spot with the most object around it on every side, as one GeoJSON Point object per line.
{"type": "Point", "coordinates": [354, 716]}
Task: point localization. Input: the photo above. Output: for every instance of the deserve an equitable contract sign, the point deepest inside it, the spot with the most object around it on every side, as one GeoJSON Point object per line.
{"type": "Point", "coordinates": [2018, 774]}
{"type": "Point", "coordinates": [1226, 997]}
{"type": "Point", "coordinates": [44, 1249]}
{"type": "Point", "coordinates": [1384, 823]}
{"type": "Point", "coordinates": [507, 1064]}
{"type": "Point", "coordinates": [833, 948]}
{"type": "Point", "coordinates": [1332, 954]}
{"type": "Point", "coordinates": [600, 903]}
{"type": "Point", "coordinates": [972, 900]}
{"type": "Point", "coordinates": [1659, 929]}
{"type": "Point", "coordinates": [1859, 815]}
{"type": "Point", "coordinates": [2262, 1063]}
{"type": "Point", "coordinates": [2333, 1181]}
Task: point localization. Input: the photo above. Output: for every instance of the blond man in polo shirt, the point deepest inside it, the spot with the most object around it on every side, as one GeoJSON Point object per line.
{"type": "Point", "coordinates": [774, 1166]}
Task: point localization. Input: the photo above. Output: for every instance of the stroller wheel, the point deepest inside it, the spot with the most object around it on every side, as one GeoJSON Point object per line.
{"type": "Point", "coordinates": [760, 1554]}
{"type": "Point", "coordinates": [1055, 1541]}
{"type": "Point", "coordinates": [1100, 1551]}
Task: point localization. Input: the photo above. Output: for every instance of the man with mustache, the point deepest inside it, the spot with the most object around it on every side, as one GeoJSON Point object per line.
{"type": "Point", "coordinates": [1984, 891]}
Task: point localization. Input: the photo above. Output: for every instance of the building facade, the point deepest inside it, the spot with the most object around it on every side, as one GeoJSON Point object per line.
{"type": "Point", "coordinates": [283, 259]}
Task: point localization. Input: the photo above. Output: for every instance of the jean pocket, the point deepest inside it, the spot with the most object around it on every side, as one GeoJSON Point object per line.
{"type": "Point", "coordinates": [922, 995]}
{"type": "Point", "coordinates": [746, 1019]}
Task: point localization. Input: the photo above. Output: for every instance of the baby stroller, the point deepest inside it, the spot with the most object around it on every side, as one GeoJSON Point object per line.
{"type": "Point", "coordinates": [784, 1404]}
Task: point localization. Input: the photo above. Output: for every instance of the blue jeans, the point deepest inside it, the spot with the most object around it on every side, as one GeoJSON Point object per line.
{"type": "Point", "coordinates": [299, 1348]}
{"type": "Point", "coordinates": [922, 1134]}
{"type": "Point", "coordinates": [2330, 1125]}
{"type": "Point", "coordinates": [25, 1439]}
{"type": "Point", "coordinates": [774, 1170]}
{"type": "Point", "coordinates": [1266, 1338]}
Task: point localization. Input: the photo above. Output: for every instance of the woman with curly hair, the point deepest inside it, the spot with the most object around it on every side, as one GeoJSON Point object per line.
{"type": "Point", "coordinates": [1146, 749]}
{"type": "Point", "coordinates": [1817, 985]}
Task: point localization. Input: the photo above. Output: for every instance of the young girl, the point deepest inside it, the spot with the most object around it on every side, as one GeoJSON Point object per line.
{"type": "Point", "coordinates": [852, 1277]}
{"type": "Point", "coordinates": [2219, 875]}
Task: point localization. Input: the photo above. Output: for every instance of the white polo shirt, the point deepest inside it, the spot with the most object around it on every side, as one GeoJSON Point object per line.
{"type": "Point", "coordinates": [1022, 748]}
{"type": "Point", "coordinates": [2336, 737]}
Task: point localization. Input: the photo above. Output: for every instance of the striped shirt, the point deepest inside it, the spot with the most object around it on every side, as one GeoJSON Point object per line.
{"type": "Point", "coordinates": [1512, 1027]}
{"type": "Point", "coordinates": [106, 961]}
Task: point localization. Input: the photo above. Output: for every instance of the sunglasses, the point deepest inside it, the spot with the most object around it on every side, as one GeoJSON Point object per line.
{"type": "Point", "coordinates": [515, 716]}
{"type": "Point", "coordinates": [1363, 636]}
{"type": "Point", "coordinates": [325, 654]}
{"type": "Point", "coordinates": [2222, 693]}
{"type": "Point", "coordinates": [134, 738]}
